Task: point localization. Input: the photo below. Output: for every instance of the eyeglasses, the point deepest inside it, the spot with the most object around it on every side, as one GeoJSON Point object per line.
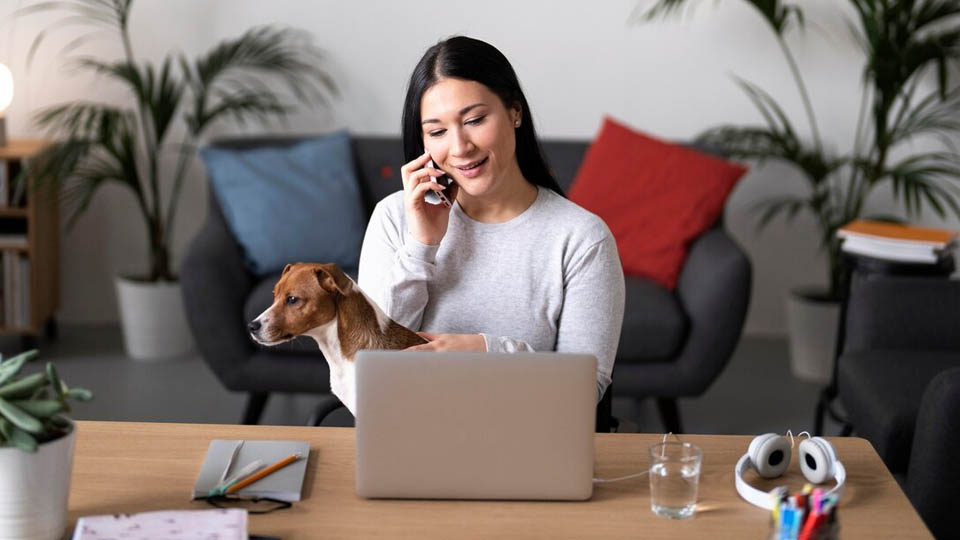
{"type": "Point", "coordinates": [253, 505]}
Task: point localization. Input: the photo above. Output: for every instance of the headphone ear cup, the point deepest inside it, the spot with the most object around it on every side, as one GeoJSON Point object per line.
{"type": "Point", "coordinates": [817, 458]}
{"type": "Point", "coordinates": [769, 454]}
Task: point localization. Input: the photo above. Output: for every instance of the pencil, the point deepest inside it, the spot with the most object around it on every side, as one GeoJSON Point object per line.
{"type": "Point", "coordinates": [257, 476]}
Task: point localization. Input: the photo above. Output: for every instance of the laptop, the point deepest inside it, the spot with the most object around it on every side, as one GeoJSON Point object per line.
{"type": "Point", "coordinates": [470, 425]}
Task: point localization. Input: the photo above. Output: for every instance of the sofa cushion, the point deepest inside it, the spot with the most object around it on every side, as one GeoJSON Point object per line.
{"type": "Point", "coordinates": [654, 323]}
{"type": "Point", "coordinates": [297, 203]}
{"type": "Point", "coordinates": [881, 391]}
{"type": "Point", "coordinates": [655, 196]}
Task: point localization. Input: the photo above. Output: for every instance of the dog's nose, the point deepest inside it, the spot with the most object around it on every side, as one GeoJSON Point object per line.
{"type": "Point", "coordinates": [253, 326]}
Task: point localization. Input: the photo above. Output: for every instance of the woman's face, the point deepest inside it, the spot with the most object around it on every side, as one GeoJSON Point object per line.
{"type": "Point", "coordinates": [470, 135]}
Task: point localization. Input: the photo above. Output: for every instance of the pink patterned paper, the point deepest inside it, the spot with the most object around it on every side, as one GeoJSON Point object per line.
{"type": "Point", "coordinates": [167, 525]}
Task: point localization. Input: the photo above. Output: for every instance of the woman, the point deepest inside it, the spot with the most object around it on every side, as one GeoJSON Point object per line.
{"type": "Point", "coordinates": [512, 265]}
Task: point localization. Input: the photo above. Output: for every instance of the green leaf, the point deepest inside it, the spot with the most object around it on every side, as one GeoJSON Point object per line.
{"type": "Point", "coordinates": [23, 440]}
{"type": "Point", "coordinates": [6, 428]}
{"type": "Point", "coordinates": [40, 408]}
{"type": "Point", "coordinates": [16, 437]}
{"type": "Point", "coordinates": [23, 387]}
{"type": "Point", "coordinates": [770, 208]}
{"type": "Point", "coordinates": [10, 367]}
{"type": "Point", "coordinates": [80, 394]}
{"type": "Point", "coordinates": [54, 379]}
{"type": "Point", "coordinates": [263, 53]}
{"type": "Point", "coordinates": [19, 418]}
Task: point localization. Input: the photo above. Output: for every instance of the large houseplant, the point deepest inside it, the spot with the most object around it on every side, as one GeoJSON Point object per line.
{"type": "Point", "coordinates": [36, 450]}
{"type": "Point", "coordinates": [907, 44]}
{"type": "Point", "coordinates": [172, 106]}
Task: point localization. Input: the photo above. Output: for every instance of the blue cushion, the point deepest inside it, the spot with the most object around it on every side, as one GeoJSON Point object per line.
{"type": "Point", "coordinates": [299, 203]}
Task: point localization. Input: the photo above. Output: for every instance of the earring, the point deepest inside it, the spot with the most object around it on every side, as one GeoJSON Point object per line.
{"type": "Point", "coordinates": [516, 124]}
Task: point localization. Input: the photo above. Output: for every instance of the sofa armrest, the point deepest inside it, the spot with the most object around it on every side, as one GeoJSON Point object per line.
{"type": "Point", "coordinates": [887, 312]}
{"type": "Point", "coordinates": [714, 290]}
{"type": "Point", "coordinates": [934, 469]}
{"type": "Point", "coordinates": [215, 284]}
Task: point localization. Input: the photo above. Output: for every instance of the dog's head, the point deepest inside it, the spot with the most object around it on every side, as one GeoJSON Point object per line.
{"type": "Point", "coordinates": [303, 299]}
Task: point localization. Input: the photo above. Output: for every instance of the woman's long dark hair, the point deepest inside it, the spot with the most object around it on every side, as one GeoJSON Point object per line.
{"type": "Point", "coordinates": [474, 60]}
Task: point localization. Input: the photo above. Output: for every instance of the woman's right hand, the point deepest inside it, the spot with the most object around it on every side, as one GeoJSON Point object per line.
{"type": "Point", "coordinates": [426, 222]}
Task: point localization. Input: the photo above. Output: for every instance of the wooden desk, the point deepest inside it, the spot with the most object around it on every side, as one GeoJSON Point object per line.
{"type": "Point", "coordinates": [135, 467]}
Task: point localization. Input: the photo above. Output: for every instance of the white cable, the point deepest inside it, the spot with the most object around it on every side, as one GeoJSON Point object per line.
{"type": "Point", "coordinates": [606, 480]}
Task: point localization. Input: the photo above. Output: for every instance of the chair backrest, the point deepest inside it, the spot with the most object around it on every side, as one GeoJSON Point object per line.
{"type": "Point", "coordinates": [893, 312]}
{"type": "Point", "coordinates": [934, 471]}
{"type": "Point", "coordinates": [379, 158]}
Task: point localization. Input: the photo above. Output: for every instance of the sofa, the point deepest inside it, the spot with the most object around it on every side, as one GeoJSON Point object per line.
{"type": "Point", "coordinates": [673, 343]}
{"type": "Point", "coordinates": [898, 380]}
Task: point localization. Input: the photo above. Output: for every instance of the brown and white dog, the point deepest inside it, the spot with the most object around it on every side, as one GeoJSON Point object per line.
{"type": "Point", "coordinates": [320, 301]}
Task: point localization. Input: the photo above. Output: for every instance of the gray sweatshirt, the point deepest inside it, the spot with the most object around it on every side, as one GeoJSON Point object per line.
{"type": "Point", "coordinates": [547, 280]}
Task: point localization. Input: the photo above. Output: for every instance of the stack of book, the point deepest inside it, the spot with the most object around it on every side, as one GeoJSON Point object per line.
{"type": "Point", "coordinates": [896, 242]}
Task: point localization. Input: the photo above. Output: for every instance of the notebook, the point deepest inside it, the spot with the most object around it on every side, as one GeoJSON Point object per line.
{"type": "Point", "coordinates": [475, 425]}
{"type": "Point", "coordinates": [284, 484]}
{"type": "Point", "coordinates": [171, 524]}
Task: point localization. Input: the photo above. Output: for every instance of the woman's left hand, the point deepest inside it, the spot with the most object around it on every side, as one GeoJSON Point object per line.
{"type": "Point", "coordinates": [450, 342]}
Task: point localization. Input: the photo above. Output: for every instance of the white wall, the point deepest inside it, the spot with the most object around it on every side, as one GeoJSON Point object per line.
{"type": "Point", "coordinates": [577, 62]}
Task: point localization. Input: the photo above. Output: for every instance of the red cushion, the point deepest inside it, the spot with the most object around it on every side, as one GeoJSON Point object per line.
{"type": "Point", "coordinates": [655, 196]}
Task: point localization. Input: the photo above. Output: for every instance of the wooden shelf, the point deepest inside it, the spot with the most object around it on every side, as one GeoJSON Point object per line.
{"type": "Point", "coordinates": [38, 219]}
{"type": "Point", "coordinates": [13, 212]}
{"type": "Point", "coordinates": [17, 149]}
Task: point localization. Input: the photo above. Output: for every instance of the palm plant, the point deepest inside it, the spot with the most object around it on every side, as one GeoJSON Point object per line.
{"type": "Point", "coordinates": [99, 143]}
{"type": "Point", "coordinates": [904, 42]}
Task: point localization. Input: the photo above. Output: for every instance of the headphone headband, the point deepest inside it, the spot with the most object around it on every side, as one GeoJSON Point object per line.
{"type": "Point", "coordinates": [767, 500]}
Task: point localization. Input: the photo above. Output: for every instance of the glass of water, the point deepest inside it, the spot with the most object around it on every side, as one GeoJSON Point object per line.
{"type": "Point", "coordinates": [674, 478]}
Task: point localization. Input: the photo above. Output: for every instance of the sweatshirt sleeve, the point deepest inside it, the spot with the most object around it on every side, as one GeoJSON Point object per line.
{"type": "Point", "coordinates": [394, 267]}
{"type": "Point", "coordinates": [593, 303]}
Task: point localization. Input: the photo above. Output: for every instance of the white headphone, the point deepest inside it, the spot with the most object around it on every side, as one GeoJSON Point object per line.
{"type": "Point", "coordinates": [769, 454]}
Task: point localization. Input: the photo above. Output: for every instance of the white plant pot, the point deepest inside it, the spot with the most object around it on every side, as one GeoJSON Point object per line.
{"type": "Point", "coordinates": [154, 320]}
{"type": "Point", "coordinates": [812, 324]}
{"type": "Point", "coordinates": [34, 489]}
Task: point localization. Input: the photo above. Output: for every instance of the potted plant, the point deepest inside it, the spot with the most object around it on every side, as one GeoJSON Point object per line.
{"type": "Point", "coordinates": [36, 450]}
{"type": "Point", "coordinates": [172, 106]}
{"type": "Point", "coordinates": [905, 44]}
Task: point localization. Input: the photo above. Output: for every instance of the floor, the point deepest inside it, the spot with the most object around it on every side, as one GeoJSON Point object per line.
{"type": "Point", "coordinates": [755, 394]}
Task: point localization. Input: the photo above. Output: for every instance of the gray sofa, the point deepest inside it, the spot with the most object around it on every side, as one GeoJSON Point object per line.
{"type": "Point", "coordinates": [673, 344]}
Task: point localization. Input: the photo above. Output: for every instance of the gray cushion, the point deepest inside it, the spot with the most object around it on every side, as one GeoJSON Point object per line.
{"type": "Point", "coordinates": [654, 323]}
{"type": "Point", "coordinates": [881, 391]}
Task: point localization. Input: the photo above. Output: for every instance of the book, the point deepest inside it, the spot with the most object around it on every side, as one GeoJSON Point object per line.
{"type": "Point", "coordinates": [170, 524]}
{"type": "Point", "coordinates": [4, 181]}
{"type": "Point", "coordinates": [24, 291]}
{"type": "Point", "coordinates": [896, 242]}
{"type": "Point", "coordinates": [284, 484]}
{"type": "Point", "coordinates": [10, 292]}
{"type": "Point", "coordinates": [898, 233]}
{"type": "Point", "coordinates": [12, 241]}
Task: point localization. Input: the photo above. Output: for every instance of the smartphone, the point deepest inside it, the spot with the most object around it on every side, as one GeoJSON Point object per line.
{"type": "Point", "coordinates": [440, 197]}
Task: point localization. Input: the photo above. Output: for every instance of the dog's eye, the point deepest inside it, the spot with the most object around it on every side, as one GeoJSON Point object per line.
{"type": "Point", "coordinates": [291, 300]}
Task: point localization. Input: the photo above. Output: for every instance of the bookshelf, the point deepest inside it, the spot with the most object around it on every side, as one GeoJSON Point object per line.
{"type": "Point", "coordinates": [29, 249]}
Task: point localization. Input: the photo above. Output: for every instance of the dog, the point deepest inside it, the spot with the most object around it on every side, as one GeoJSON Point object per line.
{"type": "Point", "coordinates": [321, 301]}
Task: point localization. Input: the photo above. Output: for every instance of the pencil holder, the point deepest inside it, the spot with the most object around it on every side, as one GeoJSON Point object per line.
{"type": "Point", "coordinates": [829, 531]}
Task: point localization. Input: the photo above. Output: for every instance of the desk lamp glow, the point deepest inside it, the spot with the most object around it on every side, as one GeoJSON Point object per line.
{"type": "Point", "coordinates": [6, 96]}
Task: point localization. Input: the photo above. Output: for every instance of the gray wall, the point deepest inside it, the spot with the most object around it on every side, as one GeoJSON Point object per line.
{"type": "Point", "coordinates": [577, 61]}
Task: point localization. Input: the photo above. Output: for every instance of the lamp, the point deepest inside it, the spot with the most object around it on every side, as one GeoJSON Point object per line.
{"type": "Point", "coordinates": [6, 96]}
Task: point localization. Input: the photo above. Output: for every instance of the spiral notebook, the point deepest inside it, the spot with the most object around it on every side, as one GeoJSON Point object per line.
{"type": "Point", "coordinates": [169, 525]}
{"type": "Point", "coordinates": [285, 484]}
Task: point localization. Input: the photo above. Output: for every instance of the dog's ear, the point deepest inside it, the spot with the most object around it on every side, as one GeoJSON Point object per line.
{"type": "Point", "coordinates": [286, 269]}
{"type": "Point", "coordinates": [332, 278]}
